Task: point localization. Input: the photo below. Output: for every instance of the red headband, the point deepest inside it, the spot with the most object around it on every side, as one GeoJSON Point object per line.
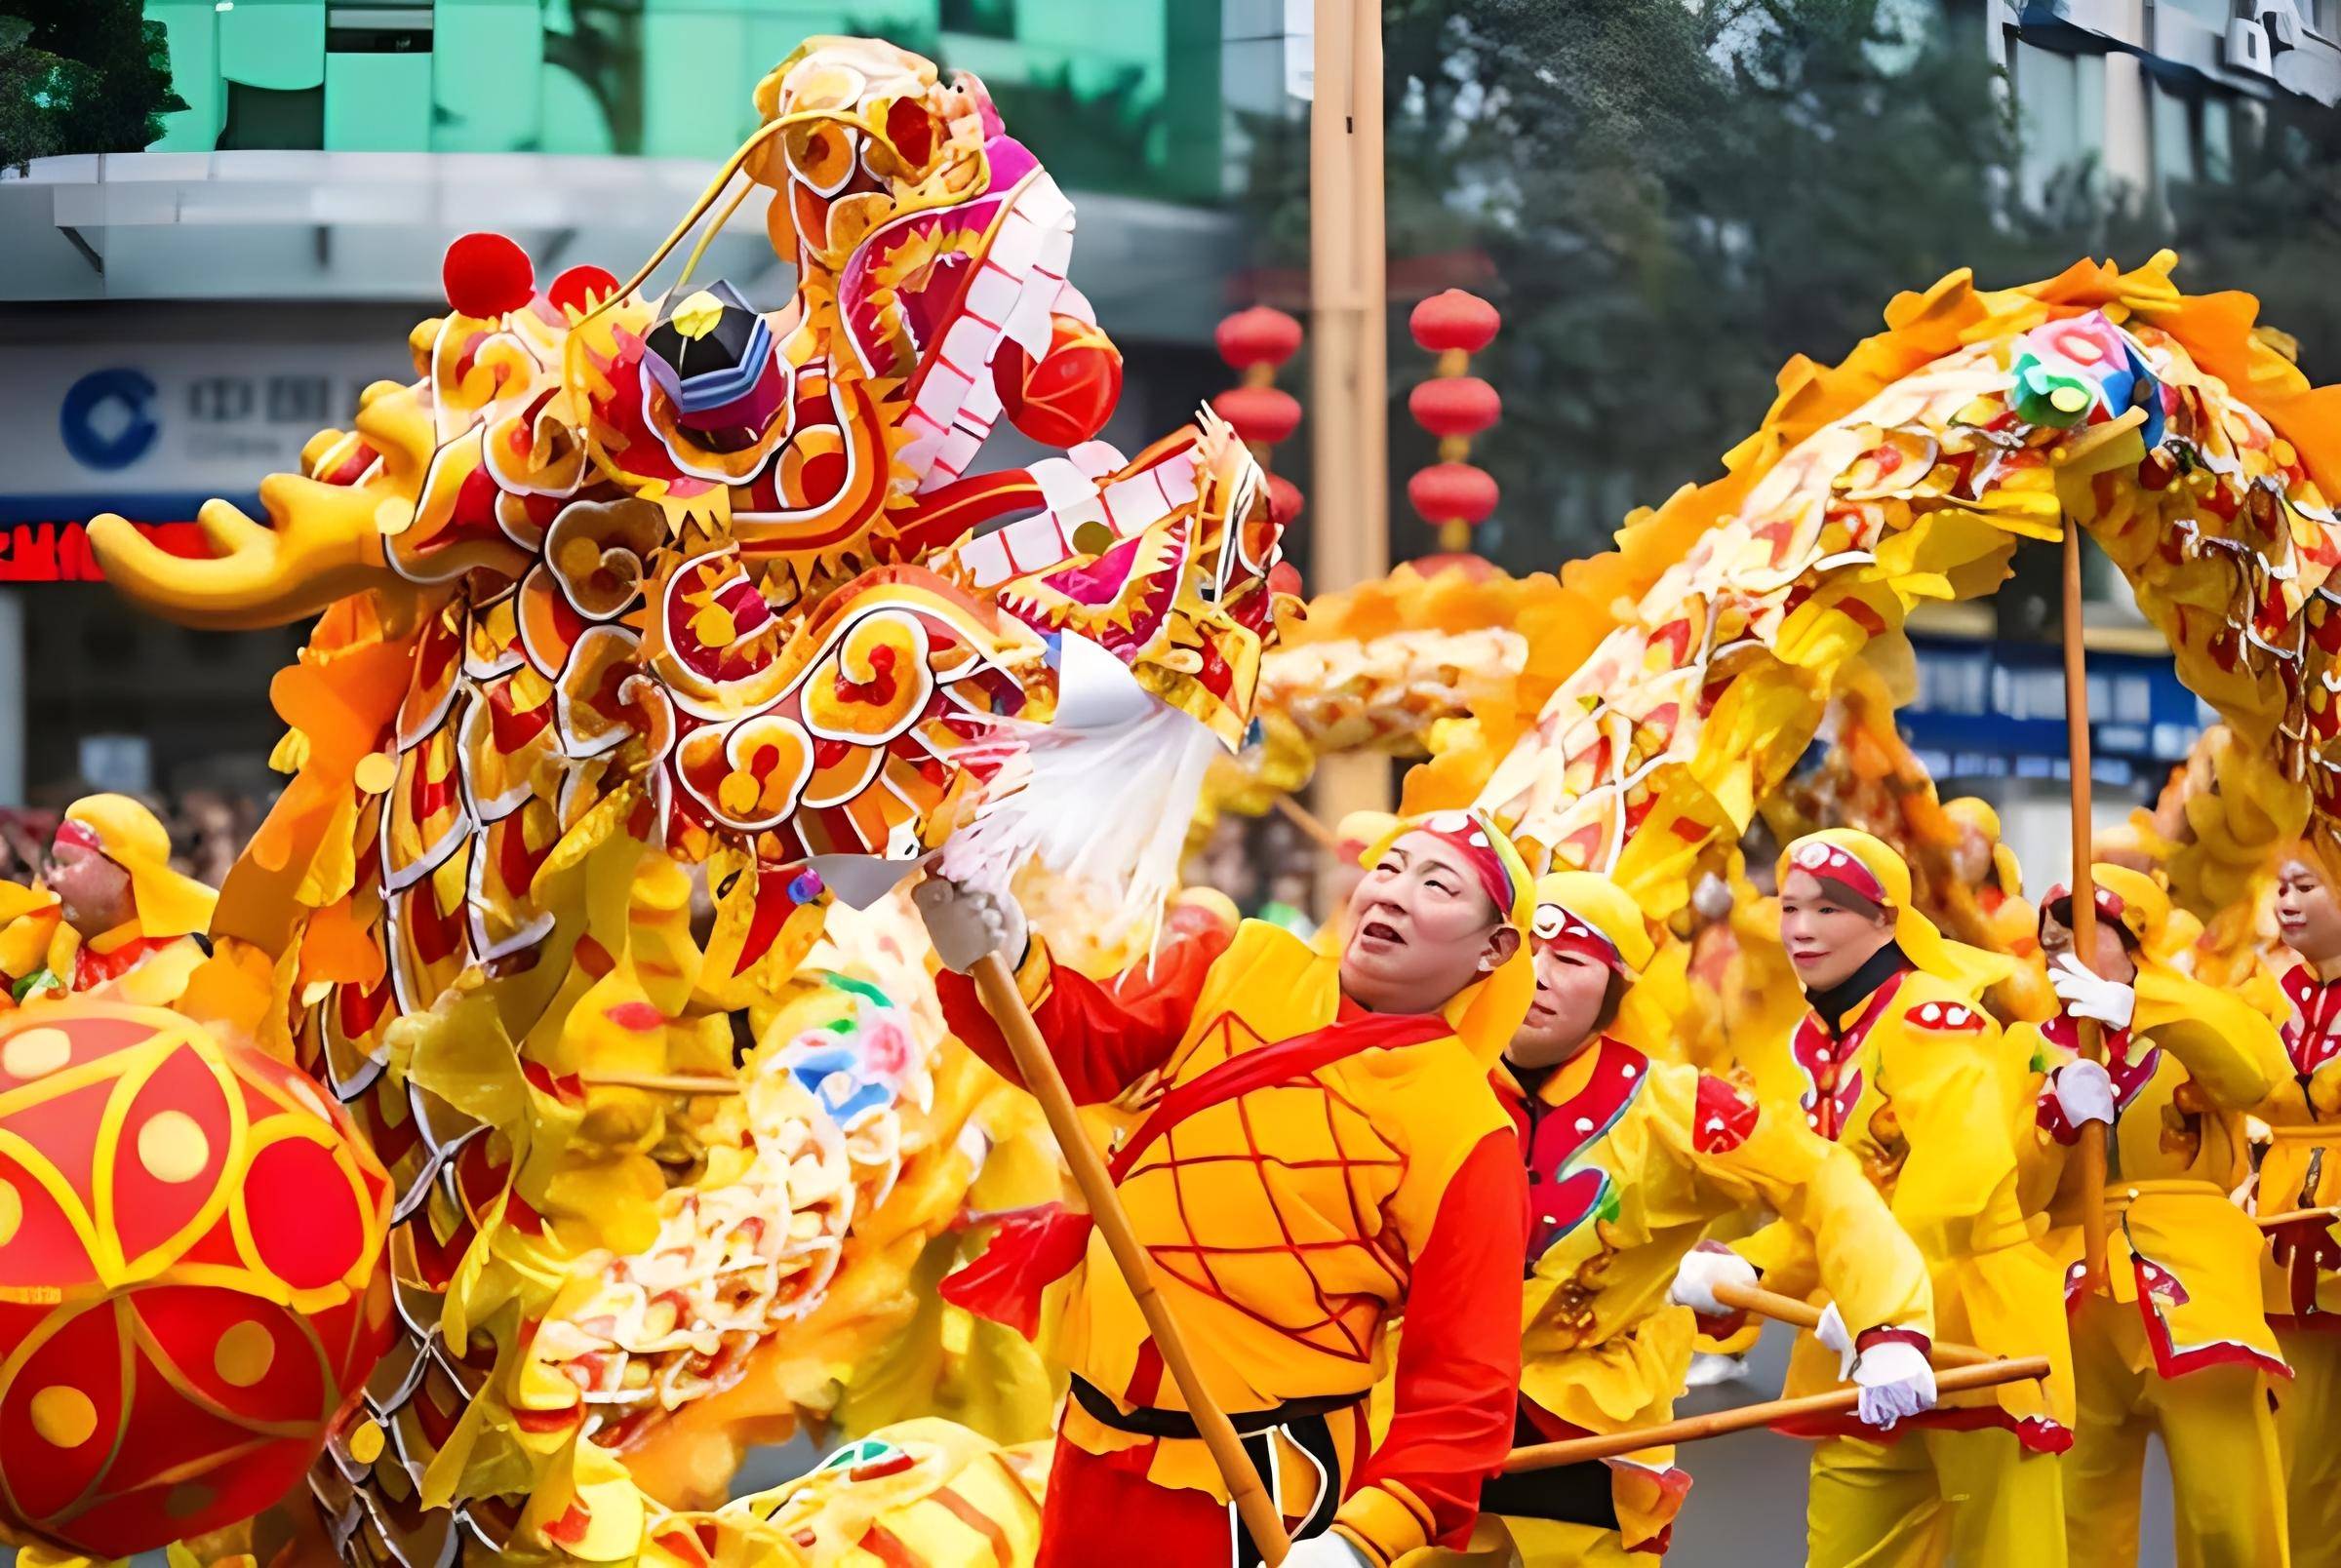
{"type": "Point", "coordinates": [1470, 836]}
{"type": "Point", "coordinates": [1562, 931]}
{"type": "Point", "coordinates": [1825, 859]}
{"type": "Point", "coordinates": [79, 834]}
{"type": "Point", "coordinates": [2110, 904]}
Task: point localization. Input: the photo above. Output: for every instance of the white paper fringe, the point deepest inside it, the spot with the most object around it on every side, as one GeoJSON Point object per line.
{"type": "Point", "coordinates": [1106, 808]}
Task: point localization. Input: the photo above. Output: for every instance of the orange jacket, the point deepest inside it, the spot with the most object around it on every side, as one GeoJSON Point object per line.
{"type": "Point", "coordinates": [1291, 1224]}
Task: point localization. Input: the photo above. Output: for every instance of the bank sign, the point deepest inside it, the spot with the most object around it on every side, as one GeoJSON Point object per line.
{"type": "Point", "coordinates": [153, 431]}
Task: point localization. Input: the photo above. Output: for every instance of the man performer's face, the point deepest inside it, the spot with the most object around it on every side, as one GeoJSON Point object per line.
{"type": "Point", "coordinates": [92, 893]}
{"type": "Point", "coordinates": [1576, 997]}
{"type": "Point", "coordinates": [1421, 929]}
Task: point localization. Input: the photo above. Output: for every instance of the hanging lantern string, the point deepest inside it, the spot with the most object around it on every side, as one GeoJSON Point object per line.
{"type": "Point", "coordinates": [1453, 495]}
{"type": "Point", "coordinates": [1255, 343]}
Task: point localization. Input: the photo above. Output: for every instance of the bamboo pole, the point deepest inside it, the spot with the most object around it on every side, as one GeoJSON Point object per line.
{"type": "Point", "coordinates": [2090, 1148]}
{"type": "Point", "coordinates": [1310, 823]}
{"type": "Point", "coordinates": [2270, 1222]}
{"type": "Point", "coordinates": [1837, 1401]}
{"type": "Point", "coordinates": [997, 988]}
{"type": "Point", "coordinates": [1804, 1316]}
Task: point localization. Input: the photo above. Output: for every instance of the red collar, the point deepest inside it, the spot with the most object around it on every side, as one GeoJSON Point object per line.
{"type": "Point", "coordinates": [1833, 1077]}
{"type": "Point", "coordinates": [1556, 1134]}
{"type": "Point", "coordinates": [2313, 1038]}
{"type": "Point", "coordinates": [2129, 1074]}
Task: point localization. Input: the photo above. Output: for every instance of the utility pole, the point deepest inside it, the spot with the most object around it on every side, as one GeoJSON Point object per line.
{"type": "Point", "coordinates": [1349, 401]}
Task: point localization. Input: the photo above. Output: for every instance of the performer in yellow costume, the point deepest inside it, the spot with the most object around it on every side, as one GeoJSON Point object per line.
{"type": "Point", "coordinates": [115, 915]}
{"type": "Point", "coordinates": [1630, 1161]}
{"type": "Point", "coordinates": [1327, 1154]}
{"type": "Point", "coordinates": [2301, 1276]}
{"type": "Point", "coordinates": [1904, 1069]}
{"type": "Point", "coordinates": [2176, 1343]}
{"type": "Point", "coordinates": [1987, 870]}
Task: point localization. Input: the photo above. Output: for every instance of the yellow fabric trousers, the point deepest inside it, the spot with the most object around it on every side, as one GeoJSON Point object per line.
{"type": "Point", "coordinates": [1975, 1499]}
{"type": "Point", "coordinates": [2226, 1485]}
{"type": "Point", "coordinates": [1550, 1543]}
{"type": "Point", "coordinates": [2308, 1430]}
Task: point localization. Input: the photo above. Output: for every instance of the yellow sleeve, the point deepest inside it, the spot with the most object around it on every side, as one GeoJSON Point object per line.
{"type": "Point", "coordinates": [159, 979]}
{"type": "Point", "coordinates": [1851, 1246]}
{"type": "Point", "coordinates": [1953, 1095]}
{"type": "Point", "coordinates": [2041, 1160]}
{"type": "Point", "coordinates": [1783, 1253]}
{"type": "Point", "coordinates": [2266, 995]}
{"type": "Point", "coordinates": [2227, 1046]}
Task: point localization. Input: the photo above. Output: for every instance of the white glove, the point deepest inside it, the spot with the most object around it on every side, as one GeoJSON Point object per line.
{"type": "Point", "coordinates": [1832, 1332]}
{"type": "Point", "coordinates": [1895, 1381]}
{"type": "Point", "coordinates": [2085, 996]}
{"type": "Point", "coordinates": [1326, 1551]}
{"type": "Point", "coordinates": [1700, 1271]}
{"type": "Point", "coordinates": [965, 925]}
{"type": "Point", "coordinates": [2084, 1092]}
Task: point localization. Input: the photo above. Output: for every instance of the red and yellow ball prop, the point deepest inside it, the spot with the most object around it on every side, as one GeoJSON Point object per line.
{"type": "Point", "coordinates": [191, 1291]}
{"type": "Point", "coordinates": [1068, 396]}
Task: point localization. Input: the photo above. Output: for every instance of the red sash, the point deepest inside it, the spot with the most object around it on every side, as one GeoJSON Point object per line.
{"type": "Point", "coordinates": [1034, 1248]}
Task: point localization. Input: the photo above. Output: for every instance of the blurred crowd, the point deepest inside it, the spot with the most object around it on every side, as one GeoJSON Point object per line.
{"type": "Point", "coordinates": [1265, 864]}
{"type": "Point", "coordinates": [209, 828]}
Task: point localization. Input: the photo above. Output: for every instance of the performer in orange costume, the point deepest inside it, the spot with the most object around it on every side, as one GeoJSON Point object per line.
{"type": "Point", "coordinates": [119, 916]}
{"type": "Point", "coordinates": [1327, 1154]}
{"type": "Point", "coordinates": [1907, 1070]}
{"type": "Point", "coordinates": [2301, 1276]}
{"type": "Point", "coordinates": [1630, 1161]}
{"type": "Point", "coordinates": [2175, 1343]}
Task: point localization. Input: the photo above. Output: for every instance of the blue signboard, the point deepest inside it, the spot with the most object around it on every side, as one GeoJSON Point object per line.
{"type": "Point", "coordinates": [1997, 710]}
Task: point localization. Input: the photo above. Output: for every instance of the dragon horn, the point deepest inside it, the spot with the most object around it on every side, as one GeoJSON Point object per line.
{"type": "Point", "coordinates": [325, 546]}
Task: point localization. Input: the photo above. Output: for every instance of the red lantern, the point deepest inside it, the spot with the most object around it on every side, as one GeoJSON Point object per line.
{"type": "Point", "coordinates": [1284, 499]}
{"type": "Point", "coordinates": [1256, 341]}
{"type": "Point", "coordinates": [1067, 398]}
{"type": "Point", "coordinates": [1450, 406]}
{"type": "Point", "coordinates": [1260, 335]}
{"type": "Point", "coordinates": [1452, 493]}
{"type": "Point", "coordinates": [1455, 321]}
{"type": "Point", "coordinates": [190, 1240]}
{"type": "Point", "coordinates": [1263, 414]}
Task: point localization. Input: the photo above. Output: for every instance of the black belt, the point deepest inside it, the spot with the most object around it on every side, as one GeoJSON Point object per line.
{"type": "Point", "coordinates": [1568, 1494]}
{"type": "Point", "coordinates": [1146, 1422]}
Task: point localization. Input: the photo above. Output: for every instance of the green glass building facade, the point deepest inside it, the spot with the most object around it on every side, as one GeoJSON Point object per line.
{"type": "Point", "coordinates": [1128, 92]}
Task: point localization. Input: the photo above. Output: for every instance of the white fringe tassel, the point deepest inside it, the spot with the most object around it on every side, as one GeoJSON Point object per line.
{"type": "Point", "coordinates": [1106, 808]}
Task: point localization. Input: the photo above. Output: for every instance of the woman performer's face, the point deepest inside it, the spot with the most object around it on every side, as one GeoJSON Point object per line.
{"type": "Point", "coordinates": [1828, 932]}
{"type": "Point", "coordinates": [2306, 913]}
{"type": "Point", "coordinates": [1421, 929]}
{"type": "Point", "coordinates": [1573, 991]}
